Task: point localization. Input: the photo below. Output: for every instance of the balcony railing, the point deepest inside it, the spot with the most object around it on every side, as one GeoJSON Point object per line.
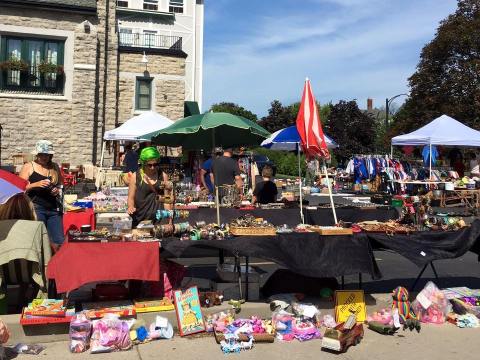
{"type": "Point", "coordinates": [150, 41]}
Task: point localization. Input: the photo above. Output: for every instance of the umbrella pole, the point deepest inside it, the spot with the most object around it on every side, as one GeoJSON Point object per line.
{"type": "Point", "coordinates": [330, 192]}
{"type": "Point", "coordinates": [300, 185]}
{"type": "Point", "coordinates": [217, 203]}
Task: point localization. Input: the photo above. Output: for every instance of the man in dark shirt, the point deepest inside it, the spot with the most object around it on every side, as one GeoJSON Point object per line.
{"type": "Point", "coordinates": [130, 160]}
{"type": "Point", "coordinates": [265, 191]}
{"type": "Point", "coordinates": [226, 171]}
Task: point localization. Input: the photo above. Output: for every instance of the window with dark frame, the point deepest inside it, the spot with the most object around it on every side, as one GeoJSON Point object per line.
{"type": "Point", "coordinates": [122, 3]}
{"type": "Point", "coordinates": [176, 6]}
{"type": "Point", "coordinates": [31, 65]}
{"type": "Point", "coordinates": [150, 4]}
{"type": "Point", "coordinates": [143, 94]}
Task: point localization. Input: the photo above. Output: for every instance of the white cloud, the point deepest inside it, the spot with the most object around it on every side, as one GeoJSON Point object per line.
{"type": "Point", "coordinates": [364, 49]}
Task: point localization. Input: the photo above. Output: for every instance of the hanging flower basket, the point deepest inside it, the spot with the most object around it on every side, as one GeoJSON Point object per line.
{"type": "Point", "coordinates": [14, 65]}
{"type": "Point", "coordinates": [49, 68]}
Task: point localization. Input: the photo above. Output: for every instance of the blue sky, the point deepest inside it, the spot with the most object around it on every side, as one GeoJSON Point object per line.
{"type": "Point", "coordinates": [256, 51]}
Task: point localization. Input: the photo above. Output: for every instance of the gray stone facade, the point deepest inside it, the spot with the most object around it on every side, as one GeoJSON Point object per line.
{"type": "Point", "coordinates": [99, 93]}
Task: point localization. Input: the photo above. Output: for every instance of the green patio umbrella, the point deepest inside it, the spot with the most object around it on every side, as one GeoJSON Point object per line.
{"type": "Point", "coordinates": [208, 130]}
{"type": "Point", "coordinates": [205, 131]}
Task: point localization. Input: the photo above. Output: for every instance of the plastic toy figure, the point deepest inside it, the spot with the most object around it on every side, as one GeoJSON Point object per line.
{"type": "Point", "coordinates": [230, 344]}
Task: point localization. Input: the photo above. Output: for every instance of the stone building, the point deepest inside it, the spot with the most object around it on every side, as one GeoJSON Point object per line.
{"type": "Point", "coordinates": [67, 74]}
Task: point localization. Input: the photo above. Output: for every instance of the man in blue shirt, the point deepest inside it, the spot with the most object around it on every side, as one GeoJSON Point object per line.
{"type": "Point", "coordinates": [206, 173]}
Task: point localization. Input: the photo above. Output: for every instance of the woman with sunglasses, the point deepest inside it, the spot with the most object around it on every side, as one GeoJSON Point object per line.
{"type": "Point", "coordinates": [148, 189]}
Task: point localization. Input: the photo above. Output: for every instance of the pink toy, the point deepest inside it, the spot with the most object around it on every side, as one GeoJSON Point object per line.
{"type": "Point", "coordinates": [383, 316]}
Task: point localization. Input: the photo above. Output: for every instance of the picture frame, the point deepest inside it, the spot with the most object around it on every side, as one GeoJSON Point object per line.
{"type": "Point", "coordinates": [189, 312]}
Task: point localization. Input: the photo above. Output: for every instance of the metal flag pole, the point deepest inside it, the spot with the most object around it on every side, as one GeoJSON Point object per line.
{"type": "Point", "coordinates": [330, 192]}
{"type": "Point", "coordinates": [300, 185]}
{"type": "Point", "coordinates": [217, 202]}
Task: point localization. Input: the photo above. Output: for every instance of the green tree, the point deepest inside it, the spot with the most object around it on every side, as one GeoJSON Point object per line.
{"type": "Point", "coordinates": [448, 75]}
{"type": "Point", "coordinates": [352, 128]}
{"type": "Point", "coordinates": [278, 117]}
{"type": "Point", "coordinates": [324, 111]}
{"type": "Point", "coordinates": [234, 109]}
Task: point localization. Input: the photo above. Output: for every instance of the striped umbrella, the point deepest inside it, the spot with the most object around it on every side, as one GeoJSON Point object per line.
{"type": "Point", "coordinates": [10, 185]}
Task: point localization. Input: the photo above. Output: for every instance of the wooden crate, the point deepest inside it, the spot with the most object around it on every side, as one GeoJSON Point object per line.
{"type": "Point", "coordinates": [331, 231]}
{"type": "Point", "coordinates": [253, 231]}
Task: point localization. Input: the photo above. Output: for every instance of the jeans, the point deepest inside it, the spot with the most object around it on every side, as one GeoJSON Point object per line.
{"type": "Point", "coordinates": [53, 220]}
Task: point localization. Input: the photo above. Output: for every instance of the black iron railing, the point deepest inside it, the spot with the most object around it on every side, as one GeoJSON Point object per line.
{"type": "Point", "coordinates": [150, 41]}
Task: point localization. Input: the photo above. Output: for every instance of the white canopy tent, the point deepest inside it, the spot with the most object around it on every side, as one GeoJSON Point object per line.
{"type": "Point", "coordinates": [445, 131]}
{"type": "Point", "coordinates": [135, 128]}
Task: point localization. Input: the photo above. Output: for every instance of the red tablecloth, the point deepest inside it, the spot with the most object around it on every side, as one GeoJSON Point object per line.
{"type": "Point", "coordinates": [77, 264]}
{"type": "Point", "coordinates": [73, 220]}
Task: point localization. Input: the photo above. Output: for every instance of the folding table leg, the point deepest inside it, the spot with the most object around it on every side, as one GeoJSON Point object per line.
{"type": "Point", "coordinates": [247, 283]}
{"type": "Point", "coordinates": [418, 277]}
{"type": "Point", "coordinates": [343, 282]}
{"type": "Point", "coordinates": [434, 270]}
{"type": "Point", "coordinates": [359, 280]}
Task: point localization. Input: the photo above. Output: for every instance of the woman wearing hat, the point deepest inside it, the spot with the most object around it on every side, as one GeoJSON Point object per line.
{"type": "Point", "coordinates": [44, 180]}
{"type": "Point", "coordinates": [149, 188]}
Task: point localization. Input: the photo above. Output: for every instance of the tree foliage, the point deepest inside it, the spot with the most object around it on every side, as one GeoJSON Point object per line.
{"type": "Point", "coordinates": [278, 117]}
{"type": "Point", "coordinates": [353, 129]}
{"type": "Point", "coordinates": [234, 109]}
{"type": "Point", "coordinates": [448, 75]}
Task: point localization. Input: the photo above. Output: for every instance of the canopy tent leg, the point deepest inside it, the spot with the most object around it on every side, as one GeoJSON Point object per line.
{"type": "Point", "coordinates": [300, 185]}
{"type": "Point", "coordinates": [430, 160]}
{"type": "Point", "coordinates": [103, 153]}
{"type": "Point", "coordinates": [330, 192]}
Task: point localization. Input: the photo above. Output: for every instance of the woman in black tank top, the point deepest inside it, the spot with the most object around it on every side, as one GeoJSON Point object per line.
{"type": "Point", "coordinates": [44, 183]}
{"type": "Point", "coordinates": [147, 192]}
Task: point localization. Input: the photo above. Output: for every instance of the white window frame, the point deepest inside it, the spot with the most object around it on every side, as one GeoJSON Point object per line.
{"type": "Point", "coordinates": [150, 3]}
{"type": "Point", "coordinates": [179, 5]}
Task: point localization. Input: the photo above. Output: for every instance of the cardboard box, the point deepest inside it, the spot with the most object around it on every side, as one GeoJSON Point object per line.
{"type": "Point", "coordinates": [231, 290]}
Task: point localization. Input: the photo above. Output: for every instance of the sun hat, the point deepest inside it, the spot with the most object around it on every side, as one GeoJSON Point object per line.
{"type": "Point", "coordinates": [43, 147]}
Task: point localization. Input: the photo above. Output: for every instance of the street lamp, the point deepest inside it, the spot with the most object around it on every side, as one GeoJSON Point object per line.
{"type": "Point", "coordinates": [387, 105]}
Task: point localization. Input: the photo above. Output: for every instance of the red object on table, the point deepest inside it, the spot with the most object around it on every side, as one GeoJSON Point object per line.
{"type": "Point", "coordinates": [76, 264]}
{"type": "Point", "coordinates": [72, 220]}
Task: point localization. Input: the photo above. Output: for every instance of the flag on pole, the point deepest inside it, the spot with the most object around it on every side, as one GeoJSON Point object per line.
{"type": "Point", "coordinates": [309, 126]}
{"type": "Point", "coordinates": [10, 185]}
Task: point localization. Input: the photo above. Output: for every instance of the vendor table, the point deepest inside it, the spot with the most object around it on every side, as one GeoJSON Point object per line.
{"type": "Point", "coordinates": [77, 264]}
{"type": "Point", "coordinates": [291, 217]}
{"type": "Point", "coordinates": [307, 254]}
{"type": "Point", "coordinates": [73, 220]}
{"type": "Point", "coordinates": [423, 248]}
{"type": "Point", "coordinates": [469, 198]}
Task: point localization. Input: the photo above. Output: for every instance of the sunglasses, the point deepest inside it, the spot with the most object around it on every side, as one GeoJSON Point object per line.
{"type": "Point", "coordinates": [154, 165]}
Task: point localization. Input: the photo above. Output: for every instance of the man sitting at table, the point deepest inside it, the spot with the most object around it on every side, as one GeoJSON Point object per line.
{"type": "Point", "coordinates": [265, 191]}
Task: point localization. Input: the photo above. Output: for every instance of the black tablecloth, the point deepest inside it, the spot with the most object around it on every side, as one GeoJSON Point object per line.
{"type": "Point", "coordinates": [324, 217]}
{"type": "Point", "coordinates": [291, 217]}
{"type": "Point", "coordinates": [307, 254]}
{"type": "Point", "coordinates": [423, 247]}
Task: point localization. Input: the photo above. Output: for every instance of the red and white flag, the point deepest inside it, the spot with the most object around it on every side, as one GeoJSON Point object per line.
{"type": "Point", "coordinates": [10, 185]}
{"type": "Point", "coordinates": [309, 126]}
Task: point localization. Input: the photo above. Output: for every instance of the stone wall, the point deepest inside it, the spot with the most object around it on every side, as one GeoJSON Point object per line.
{"type": "Point", "coordinates": [168, 88]}
{"type": "Point", "coordinates": [67, 122]}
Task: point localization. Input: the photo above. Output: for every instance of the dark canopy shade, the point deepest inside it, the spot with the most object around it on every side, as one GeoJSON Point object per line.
{"type": "Point", "coordinates": [207, 130]}
{"type": "Point", "coordinates": [190, 108]}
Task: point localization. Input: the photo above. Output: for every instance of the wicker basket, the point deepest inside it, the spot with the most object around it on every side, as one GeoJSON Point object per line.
{"type": "Point", "coordinates": [264, 338]}
{"type": "Point", "coordinates": [252, 231]}
{"type": "Point", "coordinates": [331, 231]}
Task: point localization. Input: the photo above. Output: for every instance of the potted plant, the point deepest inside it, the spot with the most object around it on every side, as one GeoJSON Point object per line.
{"type": "Point", "coordinates": [14, 65]}
{"type": "Point", "coordinates": [49, 68]}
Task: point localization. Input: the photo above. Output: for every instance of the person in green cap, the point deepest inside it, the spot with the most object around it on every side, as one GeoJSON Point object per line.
{"type": "Point", "coordinates": [149, 189]}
